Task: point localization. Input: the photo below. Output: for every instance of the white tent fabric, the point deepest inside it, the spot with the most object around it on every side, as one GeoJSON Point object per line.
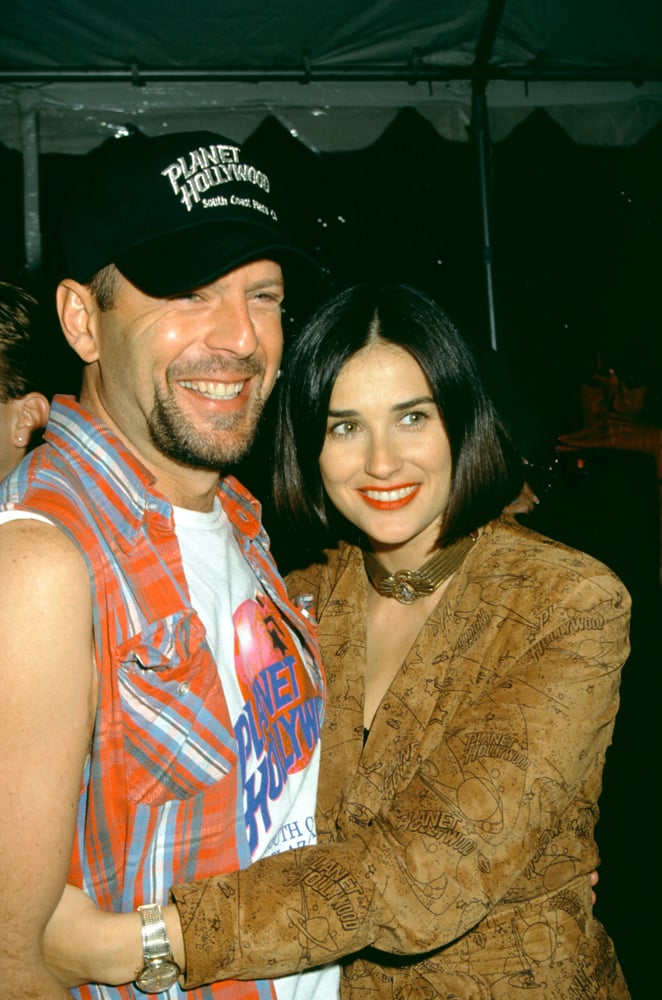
{"type": "Point", "coordinates": [335, 75]}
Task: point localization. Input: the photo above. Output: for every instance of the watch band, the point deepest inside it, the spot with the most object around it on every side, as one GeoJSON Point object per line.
{"type": "Point", "coordinates": [159, 971]}
{"type": "Point", "coordinates": [154, 933]}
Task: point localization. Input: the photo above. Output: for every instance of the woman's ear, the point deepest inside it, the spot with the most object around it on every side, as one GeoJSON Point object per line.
{"type": "Point", "coordinates": [76, 307]}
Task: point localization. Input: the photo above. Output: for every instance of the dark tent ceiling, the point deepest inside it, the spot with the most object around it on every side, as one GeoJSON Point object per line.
{"type": "Point", "coordinates": [335, 73]}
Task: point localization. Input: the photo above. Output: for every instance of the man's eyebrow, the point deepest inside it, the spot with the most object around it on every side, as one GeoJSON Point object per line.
{"type": "Point", "coordinates": [267, 283]}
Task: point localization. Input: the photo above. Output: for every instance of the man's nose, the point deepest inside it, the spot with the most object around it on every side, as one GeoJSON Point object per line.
{"type": "Point", "coordinates": [231, 328]}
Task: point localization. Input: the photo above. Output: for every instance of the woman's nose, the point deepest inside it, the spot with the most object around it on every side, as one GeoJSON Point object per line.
{"type": "Point", "coordinates": [383, 457]}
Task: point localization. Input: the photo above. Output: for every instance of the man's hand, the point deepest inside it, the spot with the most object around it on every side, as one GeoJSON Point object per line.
{"type": "Point", "coordinates": [523, 503]}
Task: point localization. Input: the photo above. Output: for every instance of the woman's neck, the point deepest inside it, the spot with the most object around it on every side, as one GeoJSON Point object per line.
{"type": "Point", "coordinates": [411, 555]}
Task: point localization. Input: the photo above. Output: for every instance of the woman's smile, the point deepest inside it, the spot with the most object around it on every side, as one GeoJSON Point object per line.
{"type": "Point", "coordinates": [389, 498]}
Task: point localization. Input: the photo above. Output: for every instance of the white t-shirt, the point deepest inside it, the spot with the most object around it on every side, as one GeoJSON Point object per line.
{"type": "Point", "coordinates": [268, 690]}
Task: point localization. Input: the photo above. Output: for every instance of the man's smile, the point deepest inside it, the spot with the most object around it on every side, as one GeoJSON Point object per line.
{"type": "Point", "coordinates": [214, 390]}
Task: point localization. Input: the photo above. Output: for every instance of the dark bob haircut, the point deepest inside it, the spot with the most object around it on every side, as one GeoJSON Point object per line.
{"type": "Point", "coordinates": [487, 469]}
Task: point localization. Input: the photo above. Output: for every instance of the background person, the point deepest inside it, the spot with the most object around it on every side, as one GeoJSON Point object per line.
{"type": "Point", "coordinates": [23, 406]}
{"type": "Point", "coordinates": [473, 669]}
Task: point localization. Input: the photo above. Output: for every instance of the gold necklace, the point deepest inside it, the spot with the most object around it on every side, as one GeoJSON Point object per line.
{"type": "Point", "coordinates": [407, 585]}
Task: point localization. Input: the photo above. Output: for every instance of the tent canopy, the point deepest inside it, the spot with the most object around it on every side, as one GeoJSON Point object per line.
{"type": "Point", "coordinates": [334, 74]}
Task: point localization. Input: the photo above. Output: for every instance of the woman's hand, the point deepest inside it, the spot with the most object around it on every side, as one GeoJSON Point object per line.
{"type": "Point", "coordinates": [83, 944]}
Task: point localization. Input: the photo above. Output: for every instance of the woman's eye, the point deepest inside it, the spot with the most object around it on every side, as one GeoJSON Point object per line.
{"type": "Point", "coordinates": [413, 419]}
{"type": "Point", "coordinates": [343, 429]}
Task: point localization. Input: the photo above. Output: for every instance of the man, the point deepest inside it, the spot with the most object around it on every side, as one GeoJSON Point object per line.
{"type": "Point", "coordinates": [163, 696]}
{"type": "Point", "coordinates": [23, 407]}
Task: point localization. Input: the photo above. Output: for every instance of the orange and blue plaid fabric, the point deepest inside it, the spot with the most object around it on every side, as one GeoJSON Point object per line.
{"type": "Point", "coordinates": [161, 799]}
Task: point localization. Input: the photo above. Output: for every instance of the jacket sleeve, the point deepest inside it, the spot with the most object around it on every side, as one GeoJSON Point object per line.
{"type": "Point", "coordinates": [491, 784]}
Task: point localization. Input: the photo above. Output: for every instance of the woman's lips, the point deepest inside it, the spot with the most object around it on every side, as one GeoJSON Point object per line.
{"type": "Point", "coordinates": [389, 498]}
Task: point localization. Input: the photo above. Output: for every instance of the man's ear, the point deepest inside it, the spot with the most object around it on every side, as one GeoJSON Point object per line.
{"type": "Point", "coordinates": [33, 410]}
{"type": "Point", "coordinates": [76, 307]}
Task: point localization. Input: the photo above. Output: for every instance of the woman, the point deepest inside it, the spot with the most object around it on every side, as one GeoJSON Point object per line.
{"type": "Point", "coordinates": [473, 670]}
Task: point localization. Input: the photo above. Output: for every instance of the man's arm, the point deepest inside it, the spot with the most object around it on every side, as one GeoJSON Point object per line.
{"type": "Point", "coordinates": [48, 690]}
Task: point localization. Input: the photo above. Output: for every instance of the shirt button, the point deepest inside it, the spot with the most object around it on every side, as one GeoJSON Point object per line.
{"type": "Point", "coordinates": [184, 688]}
{"type": "Point", "coordinates": [152, 505]}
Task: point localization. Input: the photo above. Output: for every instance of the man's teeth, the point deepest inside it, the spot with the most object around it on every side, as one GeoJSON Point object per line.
{"type": "Point", "coordinates": [388, 496]}
{"type": "Point", "coordinates": [216, 390]}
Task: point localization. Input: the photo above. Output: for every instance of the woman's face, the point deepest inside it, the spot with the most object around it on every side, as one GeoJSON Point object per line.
{"type": "Point", "coordinates": [386, 459]}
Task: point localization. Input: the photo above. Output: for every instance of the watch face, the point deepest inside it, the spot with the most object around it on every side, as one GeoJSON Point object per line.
{"type": "Point", "coordinates": [157, 977]}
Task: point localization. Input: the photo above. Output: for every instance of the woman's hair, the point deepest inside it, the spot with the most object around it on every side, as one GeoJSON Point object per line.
{"type": "Point", "coordinates": [486, 466]}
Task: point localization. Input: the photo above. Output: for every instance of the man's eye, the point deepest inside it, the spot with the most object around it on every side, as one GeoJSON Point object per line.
{"type": "Point", "coordinates": [270, 298]}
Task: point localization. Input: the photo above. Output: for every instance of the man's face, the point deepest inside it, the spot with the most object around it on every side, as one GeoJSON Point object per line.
{"type": "Point", "coordinates": [185, 379]}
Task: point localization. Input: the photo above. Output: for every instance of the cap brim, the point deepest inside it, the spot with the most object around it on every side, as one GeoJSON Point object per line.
{"type": "Point", "coordinates": [182, 261]}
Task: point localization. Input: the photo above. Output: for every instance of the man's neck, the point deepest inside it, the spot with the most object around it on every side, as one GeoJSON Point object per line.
{"type": "Point", "coordinates": [182, 485]}
{"type": "Point", "coordinates": [191, 496]}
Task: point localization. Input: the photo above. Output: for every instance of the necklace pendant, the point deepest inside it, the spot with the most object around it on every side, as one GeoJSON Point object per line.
{"type": "Point", "coordinates": [404, 590]}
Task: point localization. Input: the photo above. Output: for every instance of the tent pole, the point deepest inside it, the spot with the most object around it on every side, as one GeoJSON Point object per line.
{"type": "Point", "coordinates": [481, 139]}
{"type": "Point", "coordinates": [31, 222]}
{"type": "Point", "coordinates": [481, 66]}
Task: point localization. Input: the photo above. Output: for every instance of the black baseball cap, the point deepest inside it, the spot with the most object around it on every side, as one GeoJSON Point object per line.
{"type": "Point", "coordinates": [174, 212]}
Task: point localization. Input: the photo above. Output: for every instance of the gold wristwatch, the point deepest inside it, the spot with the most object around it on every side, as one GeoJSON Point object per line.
{"type": "Point", "coordinates": [159, 971]}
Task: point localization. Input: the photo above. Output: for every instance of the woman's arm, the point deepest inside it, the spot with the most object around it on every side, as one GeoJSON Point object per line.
{"type": "Point", "coordinates": [506, 775]}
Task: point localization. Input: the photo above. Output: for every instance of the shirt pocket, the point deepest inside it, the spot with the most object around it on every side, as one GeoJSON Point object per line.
{"type": "Point", "coordinates": [177, 736]}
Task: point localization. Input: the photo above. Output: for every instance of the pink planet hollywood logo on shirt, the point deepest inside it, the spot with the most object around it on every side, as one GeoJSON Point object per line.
{"type": "Point", "coordinates": [278, 728]}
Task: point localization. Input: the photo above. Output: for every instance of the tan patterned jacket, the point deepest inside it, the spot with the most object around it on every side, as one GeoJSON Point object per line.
{"type": "Point", "coordinates": [462, 833]}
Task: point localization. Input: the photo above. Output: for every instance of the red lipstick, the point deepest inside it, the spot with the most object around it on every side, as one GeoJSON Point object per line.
{"type": "Point", "coordinates": [394, 496]}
